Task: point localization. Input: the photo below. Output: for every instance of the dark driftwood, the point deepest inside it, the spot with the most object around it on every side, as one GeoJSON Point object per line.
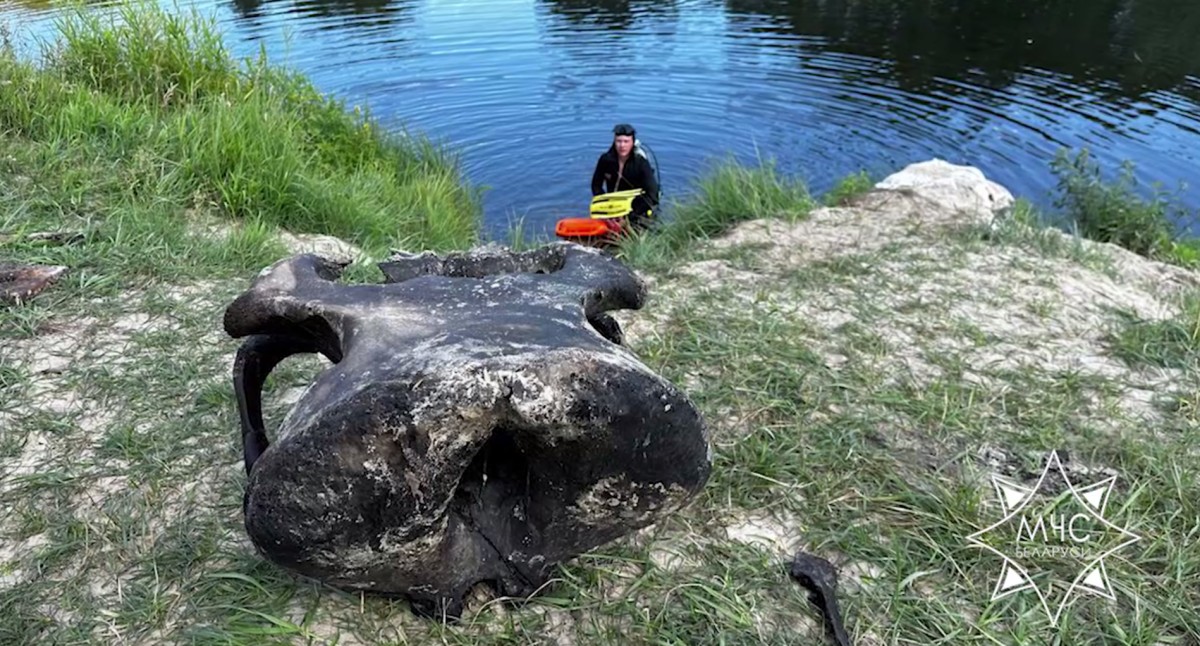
{"type": "Point", "coordinates": [481, 421]}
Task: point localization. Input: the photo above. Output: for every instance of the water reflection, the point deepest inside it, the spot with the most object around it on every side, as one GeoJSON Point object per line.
{"type": "Point", "coordinates": [42, 6]}
{"type": "Point", "coordinates": [35, 5]}
{"type": "Point", "coordinates": [625, 37]}
{"type": "Point", "coordinates": [1127, 47]}
{"type": "Point", "coordinates": [608, 14]}
{"type": "Point", "coordinates": [365, 12]}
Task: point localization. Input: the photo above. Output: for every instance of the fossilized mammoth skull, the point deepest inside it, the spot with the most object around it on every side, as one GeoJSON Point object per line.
{"type": "Point", "coordinates": [481, 421]}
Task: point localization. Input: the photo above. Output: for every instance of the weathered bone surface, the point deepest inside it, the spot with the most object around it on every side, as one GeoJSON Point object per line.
{"type": "Point", "coordinates": [21, 282]}
{"type": "Point", "coordinates": [481, 421]}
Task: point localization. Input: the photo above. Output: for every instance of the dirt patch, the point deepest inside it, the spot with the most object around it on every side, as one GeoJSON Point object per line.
{"type": "Point", "coordinates": [12, 553]}
{"type": "Point", "coordinates": [880, 219]}
{"type": "Point", "coordinates": [335, 249]}
{"type": "Point", "coordinates": [330, 247]}
{"type": "Point", "coordinates": [778, 535]}
{"type": "Point", "coordinates": [559, 627]}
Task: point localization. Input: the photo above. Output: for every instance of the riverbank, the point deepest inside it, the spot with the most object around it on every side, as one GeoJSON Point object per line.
{"type": "Point", "coordinates": [147, 112]}
{"type": "Point", "coordinates": [867, 361]}
{"type": "Point", "coordinates": [865, 369]}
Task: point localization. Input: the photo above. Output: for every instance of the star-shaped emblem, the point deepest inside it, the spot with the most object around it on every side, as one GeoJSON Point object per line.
{"type": "Point", "coordinates": [1015, 500]}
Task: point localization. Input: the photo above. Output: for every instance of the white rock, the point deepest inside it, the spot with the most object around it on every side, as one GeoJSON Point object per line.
{"type": "Point", "coordinates": [953, 187]}
{"type": "Point", "coordinates": [334, 249]}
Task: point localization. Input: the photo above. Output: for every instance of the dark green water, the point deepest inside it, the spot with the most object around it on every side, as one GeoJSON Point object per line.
{"type": "Point", "coordinates": [527, 90]}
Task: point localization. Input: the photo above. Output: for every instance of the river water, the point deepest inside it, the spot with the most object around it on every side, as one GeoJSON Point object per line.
{"type": "Point", "coordinates": [527, 90]}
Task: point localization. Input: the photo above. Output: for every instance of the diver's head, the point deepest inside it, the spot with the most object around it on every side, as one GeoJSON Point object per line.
{"type": "Point", "coordinates": [623, 138]}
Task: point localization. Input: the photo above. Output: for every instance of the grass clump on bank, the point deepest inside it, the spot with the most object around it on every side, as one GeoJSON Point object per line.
{"type": "Point", "coordinates": [1113, 212]}
{"type": "Point", "coordinates": [159, 99]}
{"type": "Point", "coordinates": [1167, 343]}
{"type": "Point", "coordinates": [848, 188]}
{"type": "Point", "coordinates": [1103, 211]}
{"type": "Point", "coordinates": [728, 194]}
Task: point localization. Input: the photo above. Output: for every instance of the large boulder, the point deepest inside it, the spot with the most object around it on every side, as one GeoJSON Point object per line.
{"type": "Point", "coordinates": [480, 422]}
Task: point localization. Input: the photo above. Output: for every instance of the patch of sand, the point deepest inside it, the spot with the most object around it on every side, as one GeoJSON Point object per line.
{"type": "Point", "coordinates": [334, 249]}
{"type": "Point", "coordinates": [780, 536]}
{"type": "Point", "coordinates": [12, 553]}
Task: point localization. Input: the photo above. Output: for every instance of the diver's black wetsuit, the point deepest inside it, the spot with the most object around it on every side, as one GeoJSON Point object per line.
{"type": "Point", "coordinates": [638, 173]}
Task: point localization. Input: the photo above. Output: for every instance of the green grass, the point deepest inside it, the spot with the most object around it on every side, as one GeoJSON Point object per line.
{"type": "Point", "coordinates": [848, 188]}
{"type": "Point", "coordinates": [1112, 211]}
{"type": "Point", "coordinates": [728, 193]}
{"type": "Point", "coordinates": [876, 472]}
{"type": "Point", "coordinates": [1168, 343]}
{"type": "Point", "coordinates": [180, 124]}
{"type": "Point", "coordinates": [123, 241]}
{"type": "Point", "coordinates": [1027, 228]}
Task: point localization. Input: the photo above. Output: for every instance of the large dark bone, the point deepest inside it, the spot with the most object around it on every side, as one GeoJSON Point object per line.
{"type": "Point", "coordinates": [480, 422]}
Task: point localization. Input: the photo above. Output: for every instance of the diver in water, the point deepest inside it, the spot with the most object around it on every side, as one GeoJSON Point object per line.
{"type": "Point", "coordinates": [624, 166]}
